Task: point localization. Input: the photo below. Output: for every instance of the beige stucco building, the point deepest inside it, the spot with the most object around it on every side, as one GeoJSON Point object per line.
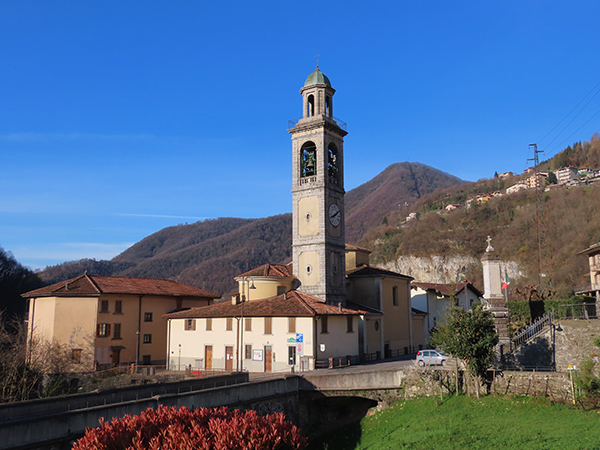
{"type": "Point", "coordinates": [290, 330]}
{"type": "Point", "coordinates": [105, 321]}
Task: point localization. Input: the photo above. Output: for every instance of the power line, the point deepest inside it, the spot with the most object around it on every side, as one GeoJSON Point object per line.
{"type": "Point", "coordinates": [569, 113]}
{"type": "Point", "coordinates": [573, 119]}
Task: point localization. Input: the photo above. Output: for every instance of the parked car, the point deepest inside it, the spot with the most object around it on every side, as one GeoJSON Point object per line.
{"type": "Point", "coordinates": [430, 357]}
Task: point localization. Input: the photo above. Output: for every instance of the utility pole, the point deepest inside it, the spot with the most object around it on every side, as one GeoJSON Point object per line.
{"type": "Point", "coordinates": [544, 269]}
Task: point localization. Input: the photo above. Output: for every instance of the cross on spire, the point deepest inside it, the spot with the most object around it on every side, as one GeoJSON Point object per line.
{"type": "Point", "coordinates": [317, 58]}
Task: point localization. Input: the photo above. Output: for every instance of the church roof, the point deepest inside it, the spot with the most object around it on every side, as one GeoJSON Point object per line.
{"type": "Point", "coordinates": [367, 270]}
{"type": "Point", "coordinates": [269, 270]}
{"type": "Point", "coordinates": [350, 247]}
{"type": "Point", "coordinates": [94, 285]}
{"type": "Point", "coordinates": [317, 77]}
{"type": "Point", "coordinates": [290, 304]}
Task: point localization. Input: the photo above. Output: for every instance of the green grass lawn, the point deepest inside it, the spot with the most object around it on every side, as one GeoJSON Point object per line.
{"type": "Point", "coordinates": [467, 423]}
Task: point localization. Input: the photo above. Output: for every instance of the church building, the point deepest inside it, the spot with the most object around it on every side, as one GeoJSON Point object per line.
{"type": "Point", "coordinates": [328, 304]}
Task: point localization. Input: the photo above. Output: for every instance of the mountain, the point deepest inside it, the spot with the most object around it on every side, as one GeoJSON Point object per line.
{"type": "Point", "coordinates": [394, 189]}
{"type": "Point", "coordinates": [209, 254]}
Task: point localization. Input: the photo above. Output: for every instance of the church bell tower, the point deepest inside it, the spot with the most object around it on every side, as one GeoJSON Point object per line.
{"type": "Point", "coordinates": [318, 193]}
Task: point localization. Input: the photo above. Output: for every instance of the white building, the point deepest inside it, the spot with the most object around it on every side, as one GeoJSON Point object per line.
{"type": "Point", "coordinates": [434, 298]}
{"type": "Point", "coordinates": [566, 174]}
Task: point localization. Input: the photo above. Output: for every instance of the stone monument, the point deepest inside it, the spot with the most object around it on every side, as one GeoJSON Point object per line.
{"type": "Point", "coordinates": [494, 299]}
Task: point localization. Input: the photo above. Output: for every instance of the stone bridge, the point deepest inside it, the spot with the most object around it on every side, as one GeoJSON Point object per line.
{"type": "Point", "coordinates": [57, 422]}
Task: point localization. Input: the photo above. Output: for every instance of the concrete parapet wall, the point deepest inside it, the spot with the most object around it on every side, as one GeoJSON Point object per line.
{"type": "Point", "coordinates": [389, 379]}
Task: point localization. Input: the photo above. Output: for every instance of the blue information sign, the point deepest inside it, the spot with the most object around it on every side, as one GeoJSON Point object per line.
{"type": "Point", "coordinates": [299, 337]}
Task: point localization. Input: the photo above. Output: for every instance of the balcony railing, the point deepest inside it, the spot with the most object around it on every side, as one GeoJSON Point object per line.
{"type": "Point", "coordinates": [340, 123]}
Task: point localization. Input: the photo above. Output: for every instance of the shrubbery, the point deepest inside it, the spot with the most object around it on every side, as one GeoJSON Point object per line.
{"type": "Point", "coordinates": [197, 429]}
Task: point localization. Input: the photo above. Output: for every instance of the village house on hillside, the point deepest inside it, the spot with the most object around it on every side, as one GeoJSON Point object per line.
{"type": "Point", "coordinates": [105, 321]}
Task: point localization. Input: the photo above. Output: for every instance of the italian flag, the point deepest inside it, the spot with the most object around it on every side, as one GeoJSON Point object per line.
{"type": "Point", "coordinates": [506, 280]}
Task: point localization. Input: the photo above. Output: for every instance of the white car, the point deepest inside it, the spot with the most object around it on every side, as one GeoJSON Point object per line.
{"type": "Point", "coordinates": [430, 357]}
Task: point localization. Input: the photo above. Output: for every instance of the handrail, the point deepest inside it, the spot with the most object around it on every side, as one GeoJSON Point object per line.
{"type": "Point", "coordinates": [531, 331]}
{"type": "Point", "coordinates": [340, 123]}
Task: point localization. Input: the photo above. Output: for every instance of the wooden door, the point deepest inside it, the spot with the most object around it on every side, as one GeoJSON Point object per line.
{"type": "Point", "coordinates": [228, 358]}
{"type": "Point", "coordinates": [268, 358]}
{"type": "Point", "coordinates": [116, 357]}
{"type": "Point", "coordinates": [208, 357]}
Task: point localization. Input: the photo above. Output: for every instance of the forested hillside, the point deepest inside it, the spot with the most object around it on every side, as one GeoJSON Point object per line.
{"type": "Point", "coordinates": [571, 217]}
{"type": "Point", "coordinates": [394, 189]}
{"type": "Point", "coordinates": [209, 254]}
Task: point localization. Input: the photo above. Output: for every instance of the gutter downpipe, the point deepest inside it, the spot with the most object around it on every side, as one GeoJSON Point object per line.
{"type": "Point", "coordinates": [139, 330]}
{"type": "Point", "coordinates": [30, 325]}
{"type": "Point", "coordinates": [168, 344]}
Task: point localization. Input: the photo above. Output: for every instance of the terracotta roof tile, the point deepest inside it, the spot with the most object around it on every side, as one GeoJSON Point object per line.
{"type": "Point", "coordinates": [367, 270]}
{"type": "Point", "coordinates": [290, 304]}
{"type": "Point", "coordinates": [269, 270]}
{"type": "Point", "coordinates": [448, 289]}
{"type": "Point", "coordinates": [96, 284]}
{"type": "Point", "coordinates": [356, 248]}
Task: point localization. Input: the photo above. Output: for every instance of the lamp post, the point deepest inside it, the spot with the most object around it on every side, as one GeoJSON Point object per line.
{"type": "Point", "coordinates": [179, 362]}
{"type": "Point", "coordinates": [247, 286]}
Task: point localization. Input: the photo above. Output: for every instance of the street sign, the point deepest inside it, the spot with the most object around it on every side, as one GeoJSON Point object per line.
{"type": "Point", "coordinates": [299, 337]}
{"type": "Point", "coordinates": [299, 348]}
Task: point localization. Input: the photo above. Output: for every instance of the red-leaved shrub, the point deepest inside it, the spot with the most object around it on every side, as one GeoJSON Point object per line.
{"type": "Point", "coordinates": [197, 429]}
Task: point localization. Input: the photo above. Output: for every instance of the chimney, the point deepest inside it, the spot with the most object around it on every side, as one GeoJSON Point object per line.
{"type": "Point", "coordinates": [66, 285]}
{"type": "Point", "coordinates": [235, 299]}
{"type": "Point", "coordinates": [340, 306]}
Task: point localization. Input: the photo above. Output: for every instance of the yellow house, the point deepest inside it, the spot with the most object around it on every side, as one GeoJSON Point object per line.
{"type": "Point", "coordinates": [105, 321]}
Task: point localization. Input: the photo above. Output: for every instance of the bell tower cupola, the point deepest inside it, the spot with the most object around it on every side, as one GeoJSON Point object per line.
{"type": "Point", "coordinates": [318, 231]}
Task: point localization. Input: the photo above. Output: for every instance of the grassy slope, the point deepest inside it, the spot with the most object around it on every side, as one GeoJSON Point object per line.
{"type": "Point", "coordinates": [464, 422]}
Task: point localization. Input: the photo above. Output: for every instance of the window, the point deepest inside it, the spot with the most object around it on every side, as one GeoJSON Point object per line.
{"type": "Point", "coordinates": [148, 317]}
{"type": "Point", "coordinates": [189, 324]}
{"type": "Point", "coordinates": [229, 324]}
{"type": "Point", "coordinates": [395, 295]}
{"type": "Point", "coordinates": [268, 325]}
{"type": "Point", "coordinates": [146, 360]}
{"type": "Point", "coordinates": [248, 326]}
{"type": "Point", "coordinates": [248, 351]}
{"type": "Point", "coordinates": [118, 306]}
{"type": "Point", "coordinates": [350, 328]}
{"type": "Point", "coordinates": [117, 331]}
{"type": "Point", "coordinates": [103, 330]}
{"type": "Point", "coordinates": [291, 324]}
{"type": "Point", "coordinates": [292, 355]}
{"type": "Point", "coordinates": [308, 160]}
{"type": "Point", "coordinates": [76, 355]}
{"type": "Point", "coordinates": [332, 162]}
{"type": "Point", "coordinates": [208, 324]}
{"type": "Point", "coordinates": [147, 339]}
{"type": "Point", "coordinates": [103, 306]}
{"type": "Point", "coordinates": [324, 324]}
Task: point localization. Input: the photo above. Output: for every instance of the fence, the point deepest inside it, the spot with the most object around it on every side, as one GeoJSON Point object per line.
{"type": "Point", "coordinates": [574, 311]}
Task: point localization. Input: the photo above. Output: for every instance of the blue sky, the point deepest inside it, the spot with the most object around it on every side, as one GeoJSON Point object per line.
{"type": "Point", "coordinates": [119, 118]}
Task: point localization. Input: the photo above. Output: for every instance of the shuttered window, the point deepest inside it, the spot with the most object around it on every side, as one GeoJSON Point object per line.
{"type": "Point", "coordinates": [291, 324]}
{"type": "Point", "coordinates": [268, 325]}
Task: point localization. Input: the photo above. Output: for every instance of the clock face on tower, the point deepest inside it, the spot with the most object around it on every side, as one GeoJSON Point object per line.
{"type": "Point", "coordinates": [335, 215]}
